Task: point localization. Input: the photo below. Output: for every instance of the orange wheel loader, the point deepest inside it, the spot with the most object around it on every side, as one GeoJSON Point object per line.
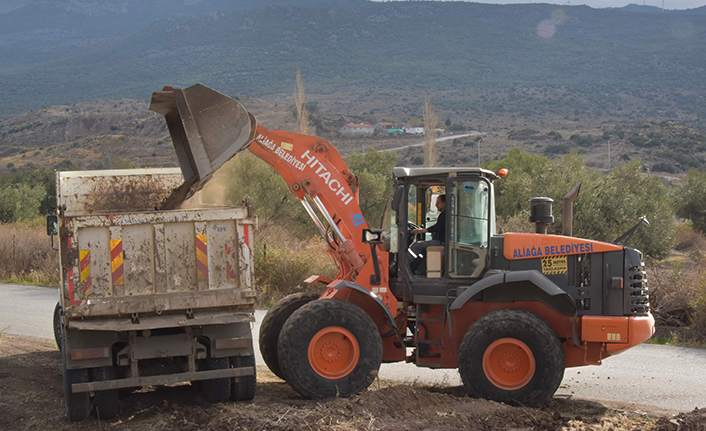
{"type": "Point", "coordinates": [509, 311]}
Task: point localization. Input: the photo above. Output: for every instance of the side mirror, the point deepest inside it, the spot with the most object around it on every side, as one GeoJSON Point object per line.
{"type": "Point", "coordinates": [52, 225]}
{"type": "Point", "coordinates": [397, 198]}
{"type": "Point", "coordinates": [372, 236]}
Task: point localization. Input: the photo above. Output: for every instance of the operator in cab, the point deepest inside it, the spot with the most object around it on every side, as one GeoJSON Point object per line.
{"type": "Point", "coordinates": [438, 232]}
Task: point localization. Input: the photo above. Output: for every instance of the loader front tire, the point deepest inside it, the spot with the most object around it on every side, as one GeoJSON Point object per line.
{"type": "Point", "coordinates": [329, 348]}
{"type": "Point", "coordinates": [512, 356]}
{"type": "Point", "coordinates": [78, 405]}
{"type": "Point", "coordinates": [272, 325]}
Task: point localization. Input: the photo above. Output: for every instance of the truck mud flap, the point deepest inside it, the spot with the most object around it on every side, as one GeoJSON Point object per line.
{"type": "Point", "coordinates": [168, 379]}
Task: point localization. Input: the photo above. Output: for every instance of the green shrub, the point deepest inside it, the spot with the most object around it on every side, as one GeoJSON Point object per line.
{"type": "Point", "coordinates": [281, 266]}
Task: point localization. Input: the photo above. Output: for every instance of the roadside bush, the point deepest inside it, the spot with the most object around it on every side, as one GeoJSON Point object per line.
{"type": "Point", "coordinates": [690, 199]}
{"type": "Point", "coordinates": [20, 202]}
{"type": "Point", "coordinates": [607, 206]}
{"type": "Point", "coordinates": [517, 223]}
{"type": "Point", "coordinates": [698, 323]}
{"type": "Point", "coordinates": [688, 240]}
{"type": "Point", "coordinates": [26, 255]}
{"type": "Point", "coordinates": [556, 149]}
{"type": "Point", "coordinates": [282, 263]}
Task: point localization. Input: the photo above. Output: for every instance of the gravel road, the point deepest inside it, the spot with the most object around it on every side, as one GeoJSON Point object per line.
{"type": "Point", "coordinates": [665, 378]}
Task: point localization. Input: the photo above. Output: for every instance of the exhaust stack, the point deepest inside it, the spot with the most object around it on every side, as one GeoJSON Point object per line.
{"type": "Point", "coordinates": [567, 218]}
{"type": "Point", "coordinates": [541, 213]}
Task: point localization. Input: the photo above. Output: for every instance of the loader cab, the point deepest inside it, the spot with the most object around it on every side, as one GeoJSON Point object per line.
{"type": "Point", "coordinates": [462, 257]}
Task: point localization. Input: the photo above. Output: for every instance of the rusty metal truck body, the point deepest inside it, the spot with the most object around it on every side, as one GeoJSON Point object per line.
{"type": "Point", "coordinates": [151, 297]}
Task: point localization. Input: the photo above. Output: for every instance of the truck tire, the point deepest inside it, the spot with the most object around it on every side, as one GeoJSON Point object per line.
{"type": "Point", "coordinates": [243, 388]}
{"type": "Point", "coordinates": [512, 356]}
{"type": "Point", "coordinates": [78, 405]}
{"type": "Point", "coordinates": [216, 390]}
{"type": "Point", "coordinates": [329, 348]}
{"type": "Point", "coordinates": [106, 403]}
{"type": "Point", "coordinates": [58, 323]}
{"type": "Point", "coordinates": [272, 325]}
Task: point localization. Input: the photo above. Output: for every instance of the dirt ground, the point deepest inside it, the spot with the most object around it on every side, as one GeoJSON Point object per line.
{"type": "Point", "coordinates": [31, 399]}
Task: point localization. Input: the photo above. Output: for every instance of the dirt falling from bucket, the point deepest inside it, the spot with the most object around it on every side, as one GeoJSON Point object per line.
{"type": "Point", "coordinates": [214, 193]}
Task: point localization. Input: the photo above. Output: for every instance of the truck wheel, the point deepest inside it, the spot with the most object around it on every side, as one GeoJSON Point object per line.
{"type": "Point", "coordinates": [105, 402]}
{"type": "Point", "coordinates": [216, 390]}
{"type": "Point", "coordinates": [78, 405]}
{"type": "Point", "coordinates": [243, 388]}
{"type": "Point", "coordinates": [272, 325]}
{"type": "Point", "coordinates": [58, 322]}
{"type": "Point", "coordinates": [329, 348]}
{"type": "Point", "coordinates": [512, 356]}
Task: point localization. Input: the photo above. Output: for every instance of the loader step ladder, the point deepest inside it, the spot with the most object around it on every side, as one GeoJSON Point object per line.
{"type": "Point", "coordinates": [423, 345]}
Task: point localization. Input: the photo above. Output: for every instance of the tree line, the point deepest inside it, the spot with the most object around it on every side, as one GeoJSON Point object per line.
{"type": "Point", "coordinates": [608, 205]}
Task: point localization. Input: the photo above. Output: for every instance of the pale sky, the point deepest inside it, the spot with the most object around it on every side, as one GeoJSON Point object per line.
{"type": "Point", "coordinates": [668, 4]}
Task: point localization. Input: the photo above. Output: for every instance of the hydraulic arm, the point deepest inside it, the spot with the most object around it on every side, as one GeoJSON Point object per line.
{"type": "Point", "coordinates": [208, 128]}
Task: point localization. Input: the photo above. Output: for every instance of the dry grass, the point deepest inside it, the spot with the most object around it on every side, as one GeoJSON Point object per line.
{"type": "Point", "coordinates": [26, 255]}
{"type": "Point", "coordinates": [282, 263]}
{"type": "Point", "coordinates": [689, 241]}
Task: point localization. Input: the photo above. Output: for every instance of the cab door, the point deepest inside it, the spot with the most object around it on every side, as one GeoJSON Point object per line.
{"type": "Point", "coordinates": [468, 208]}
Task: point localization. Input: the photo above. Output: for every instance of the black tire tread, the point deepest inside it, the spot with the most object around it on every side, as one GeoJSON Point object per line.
{"type": "Point", "coordinates": [243, 388]}
{"type": "Point", "coordinates": [216, 390]}
{"type": "Point", "coordinates": [78, 405]}
{"type": "Point", "coordinates": [272, 325]}
{"type": "Point", "coordinates": [58, 323]}
{"type": "Point", "coordinates": [304, 324]}
{"type": "Point", "coordinates": [532, 330]}
{"type": "Point", "coordinates": [106, 404]}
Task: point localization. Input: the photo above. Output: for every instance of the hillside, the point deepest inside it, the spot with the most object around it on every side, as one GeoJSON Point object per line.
{"type": "Point", "coordinates": [565, 58]}
{"type": "Point", "coordinates": [123, 133]}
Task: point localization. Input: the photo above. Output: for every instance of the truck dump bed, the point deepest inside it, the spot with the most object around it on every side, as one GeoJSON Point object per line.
{"type": "Point", "coordinates": [122, 258]}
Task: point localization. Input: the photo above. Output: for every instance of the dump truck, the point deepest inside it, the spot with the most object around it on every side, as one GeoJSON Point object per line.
{"type": "Point", "coordinates": [150, 296]}
{"type": "Point", "coordinates": [510, 311]}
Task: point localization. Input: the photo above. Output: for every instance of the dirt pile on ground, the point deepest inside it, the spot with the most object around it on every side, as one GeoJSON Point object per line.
{"type": "Point", "coordinates": [691, 421]}
{"type": "Point", "coordinates": [31, 398]}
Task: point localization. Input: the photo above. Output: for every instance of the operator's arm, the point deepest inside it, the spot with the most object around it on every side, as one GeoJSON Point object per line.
{"type": "Point", "coordinates": [438, 230]}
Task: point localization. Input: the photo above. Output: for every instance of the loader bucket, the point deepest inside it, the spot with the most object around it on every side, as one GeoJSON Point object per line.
{"type": "Point", "coordinates": [207, 129]}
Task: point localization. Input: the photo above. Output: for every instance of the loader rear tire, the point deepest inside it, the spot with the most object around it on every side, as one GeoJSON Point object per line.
{"type": "Point", "coordinates": [243, 388]}
{"type": "Point", "coordinates": [78, 405]}
{"type": "Point", "coordinates": [330, 348]}
{"type": "Point", "coordinates": [105, 402]}
{"type": "Point", "coordinates": [272, 325]}
{"type": "Point", "coordinates": [216, 390]}
{"type": "Point", "coordinates": [512, 356]}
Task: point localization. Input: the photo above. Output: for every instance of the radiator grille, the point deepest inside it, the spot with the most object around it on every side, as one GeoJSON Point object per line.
{"type": "Point", "coordinates": [638, 290]}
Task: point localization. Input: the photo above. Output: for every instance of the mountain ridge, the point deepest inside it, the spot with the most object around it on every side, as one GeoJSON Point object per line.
{"type": "Point", "coordinates": [419, 46]}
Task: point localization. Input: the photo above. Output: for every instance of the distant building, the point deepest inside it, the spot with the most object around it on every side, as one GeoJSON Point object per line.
{"type": "Point", "coordinates": [352, 129]}
{"type": "Point", "coordinates": [383, 127]}
{"type": "Point", "coordinates": [413, 130]}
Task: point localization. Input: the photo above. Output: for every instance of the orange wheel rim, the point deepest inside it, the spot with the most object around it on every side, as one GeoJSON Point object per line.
{"type": "Point", "coordinates": [509, 364]}
{"type": "Point", "coordinates": [333, 352]}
